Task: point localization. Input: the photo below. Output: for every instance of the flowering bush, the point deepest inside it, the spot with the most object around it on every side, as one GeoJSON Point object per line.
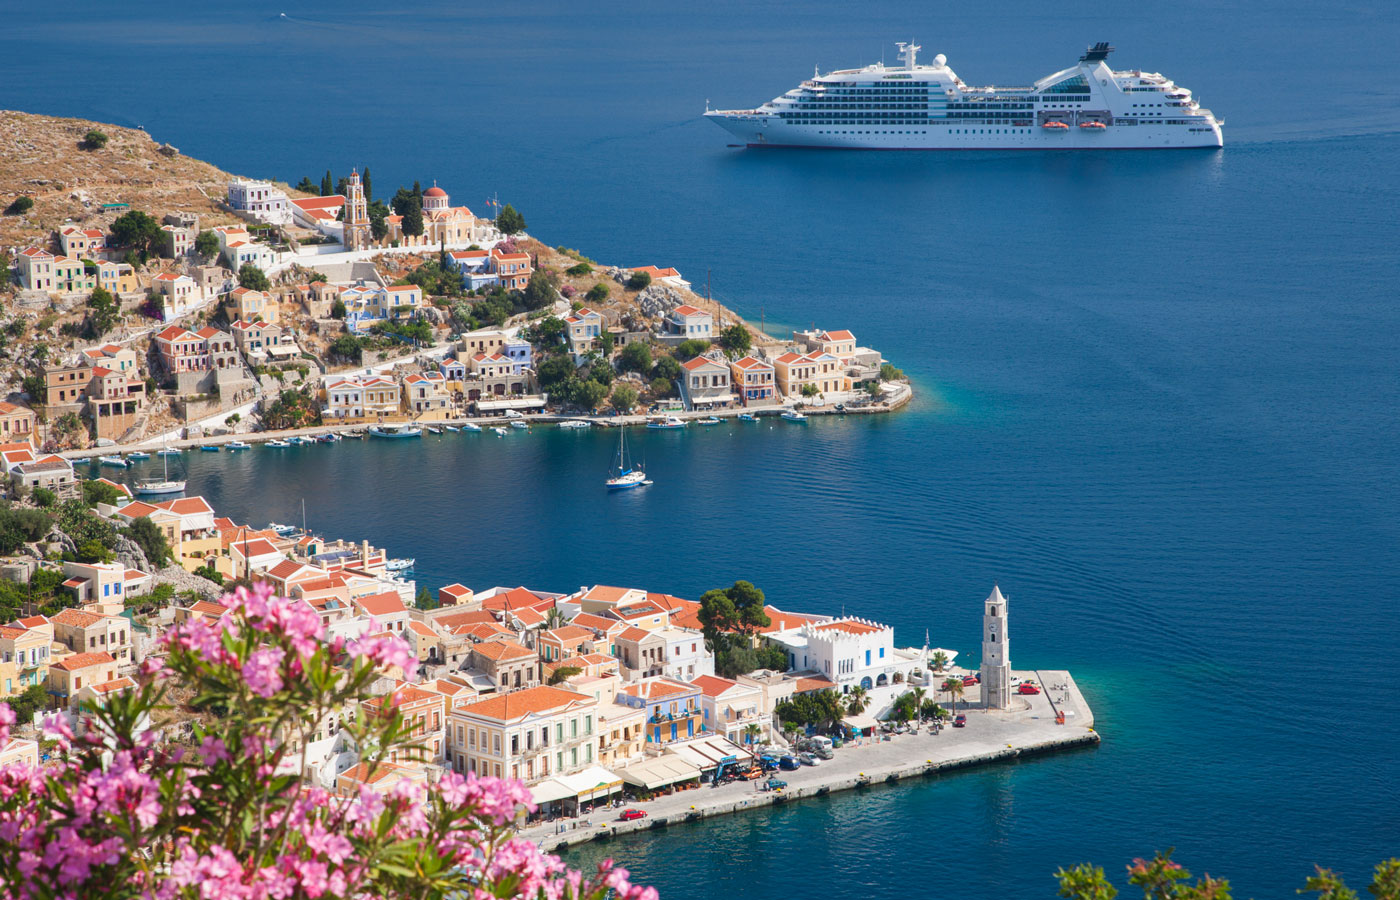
{"type": "Point", "coordinates": [223, 813]}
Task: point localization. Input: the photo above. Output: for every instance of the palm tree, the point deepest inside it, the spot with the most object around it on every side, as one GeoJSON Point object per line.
{"type": "Point", "coordinates": [856, 704]}
{"type": "Point", "coordinates": [751, 733]}
{"type": "Point", "coordinates": [953, 687]}
{"type": "Point", "coordinates": [940, 659]}
{"type": "Point", "coordinates": [554, 618]}
{"type": "Point", "coordinates": [919, 695]}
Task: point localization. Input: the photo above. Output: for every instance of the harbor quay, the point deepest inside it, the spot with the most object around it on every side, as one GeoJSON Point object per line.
{"type": "Point", "coordinates": [989, 737]}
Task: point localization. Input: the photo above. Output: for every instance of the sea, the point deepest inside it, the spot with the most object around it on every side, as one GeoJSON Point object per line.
{"type": "Point", "coordinates": [1156, 391]}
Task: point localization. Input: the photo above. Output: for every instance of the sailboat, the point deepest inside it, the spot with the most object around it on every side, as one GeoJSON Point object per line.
{"type": "Point", "coordinates": [165, 485]}
{"type": "Point", "coordinates": [625, 474]}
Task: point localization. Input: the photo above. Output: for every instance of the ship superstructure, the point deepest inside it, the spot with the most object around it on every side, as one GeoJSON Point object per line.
{"type": "Point", "coordinates": [928, 107]}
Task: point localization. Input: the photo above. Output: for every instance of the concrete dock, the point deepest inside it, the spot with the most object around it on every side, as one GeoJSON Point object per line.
{"type": "Point", "coordinates": [989, 737]}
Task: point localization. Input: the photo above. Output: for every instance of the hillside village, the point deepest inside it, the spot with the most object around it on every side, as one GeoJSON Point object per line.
{"type": "Point", "coordinates": [236, 306]}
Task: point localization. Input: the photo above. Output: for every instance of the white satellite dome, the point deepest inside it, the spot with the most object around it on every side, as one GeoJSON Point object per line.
{"type": "Point", "coordinates": [940, 60]}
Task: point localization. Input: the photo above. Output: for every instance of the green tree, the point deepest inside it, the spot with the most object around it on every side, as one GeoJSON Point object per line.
{"type": "Point", "coordinates": [689, 349]}
{"type": "Point", "coordinates": [919, 695]}
{"type": "Point", "coordinates": [639, 281]}
{"type": "Point", "coordinates": [738, 608]}
{"type": "Point", "coordinates": [95, 492]}
{"type": "Point", "coordinates": [873, 389]}
{"type": "Point", "coordinates": [103, 311]}
{"type": "Point", "coordinates": [553, 371]}
{"type": "Point", "coordinates": [306, 185]}
{"type": "Point", "coordinates": [82, 525]}
{"type": "Point", "coordinates": [252, 278]}
{"type": "Point", "coordinates": [19, 206]}
{"type": "Point", "coordinates": [425, 600]}
{"type": "Point", "coordinates": [412, 223]}
{"type": "Point", "coordinates": [93, 552]}
{"type": "Point", "coordinates": [953, 687]}
{"type": "Point", "coordinates": [327, 184]}
{"type": "Point", "coordinates": [509, 221]}
{"type": "Point", "coordinates": [889, 373]}
{"type": "Point", "coordinates": [752, 732]}
{"type": "Point", "coordinates": [940, 660]}
{"type": "Point", "coordinates": [564, 673]}
{"type": "Point", "coordinates": [44, 497]}
{"type": "Point", "coordinates": [94, 140]}
{"type": "Point", "coordinates": [542, 291]}
{"type": "Point", "coordinates": [666, 367]}
{"type": "Point", "coordinates": [34, 386]}
{"type": "Point", "coordinates": [137, 231]}
{"type": "Point", "coordinates": [549, 330]}
{"type": "Point", "coordinates": [624, 398]}
{"type": "Point", "coordinates": [597, 295]}
{"type": "Point", "coordinates": [338, 309]}
{"type": "Point", "coordinates": [582, 268]}
{"type": "Point", "coordinates": [606, 341]}
{"type": "Point", "coordinates": [588, 394]}
{"type": "Point", "coordinates": [206, 245]}
{"type": "Point", "coordinates": [856, 700]}
{"type": "Point", "coordinates": [378, 215]}
{"type": "Point", "coordinates": [810, 390]}
{"type": "Point", "coordinates": [151, 539]}
{"type": "Point", "coordinates": [736, 339]}
{"type": "Point", "coordinates": [368, 187]}
{"type": "Point", "coordinates": [635, 357]}
{"type": "Point", "coordinates": [35, 698]}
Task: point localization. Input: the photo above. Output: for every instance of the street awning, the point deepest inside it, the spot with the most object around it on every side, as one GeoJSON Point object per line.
{"type": "Point", "coordinates": [550, 790]}
{"type": "Point", "coordinates": [512, 403]}
{"type": "Point", "coordinates": [706, 753]}
{"type": "Point", "coordinates": [862, 722]}
{"type": "Point", "coordinates": [659, 772]}
{"type": "Point", "coordinates": [592, 783]}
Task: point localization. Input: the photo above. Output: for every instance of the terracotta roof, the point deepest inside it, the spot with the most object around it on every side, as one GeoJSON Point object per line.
{"type": "Point", "coordinates": [607, 593]}
{"type": "Point", "coordinates": [419, 628]}
{"type": "Point", "coordinates": [713, 685]}
{"type": "Point", "coordinates": [474, 617]}
{"type": "Point", "coordinates": [76, 617]}
{"type": "Point", "coordinates": [568, 633]}
{"type": "Point", "coordinates": [598, 623]}
{"type": "Point", "coordinates": [402, 693]}
{"type": "Point", "coordinates": [685, 309]}
{"type": "Point", "coordinates": [516, 598]}
{"type": "Point", "coordinates": [633, 634]}
{"type": "Point", "coordinates": [187, 506]}
{"type": "Point", "coordinates": [528, 616]}
{"type": "Point", "coordinates": [699, 362]}
{"type": "Point", "coordinates": [518, 704]}
{"type": "Point", "coordinates": [660, 687]}
{"type": "Point", "coordinates": [83, 660]}
{"type": "Point", "coordinates": [386, 604]}
{"type": "Point", "coordinates": [783, 621]}
{"type": "Point", "coordinates": [435, 191]}
{"type": "Point", "coordinates": [208, 607]}
{"type": "Point", "coordinates": [836, 336]}
{"type": "Point", "coordinates": [499, 650]}
{"type": "Point", "coordinates": [813, 683]}
{"type": "Point", "coordinates": [310, 203]}
{"type": "Point", "coordinates": [850, 627]}
{"type": "Point", "coordinates": [116, 684]}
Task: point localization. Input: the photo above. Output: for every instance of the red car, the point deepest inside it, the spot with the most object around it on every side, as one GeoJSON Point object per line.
{"type": "Point", "coordinates": [969, 680]}
{"type": "Point", "coordinates": [629, 814]}
{"type": "Point", "coordinates": [960, 722]}
{"type": "Point", "coordinates": [1027, 688]}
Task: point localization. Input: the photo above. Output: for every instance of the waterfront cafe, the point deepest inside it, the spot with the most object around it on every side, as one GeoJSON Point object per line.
{"type": "Point", "coordinates": [567, 794]}
{"type": "Point", "coordinates": [706, 753]}
{"type": "Point", "coordinates": [660, 773]}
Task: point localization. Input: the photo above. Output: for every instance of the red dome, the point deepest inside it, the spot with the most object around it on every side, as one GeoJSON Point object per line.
{"type": "Point", "coordinates": [435, 191]}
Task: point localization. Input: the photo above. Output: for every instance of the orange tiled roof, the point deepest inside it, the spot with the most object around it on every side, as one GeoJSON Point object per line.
{"type": "Point", "coordinates": [518, 704]}
{"type": "Point", "coordinates": [500, 650]}
{"type": "Point", "coordinates": [83, 660]}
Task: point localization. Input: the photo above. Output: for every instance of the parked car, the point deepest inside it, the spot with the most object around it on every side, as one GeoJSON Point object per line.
{"type": "Point", "coordinates": [774, 784]}
{"type": "Point", "coordinates": [629, 815]}
{"type": "Point", "coordinates": [513, 414]}
{"type": "Point", "coordinates": [789, 763]}
{"type": "Point", "coordinates": [807, 759]}
{"type": "Point", "coordinates": [960, 721]}
{"type": "Point", "coordinates": [971, 679]}
{"type": "Point", "coordinates": [1027, 688]}
{"type": "Point", "coordinates": [769, 763]}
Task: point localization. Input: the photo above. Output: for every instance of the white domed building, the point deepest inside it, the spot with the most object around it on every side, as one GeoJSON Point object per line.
{"type": "Point", "coordinates": [443, 224]}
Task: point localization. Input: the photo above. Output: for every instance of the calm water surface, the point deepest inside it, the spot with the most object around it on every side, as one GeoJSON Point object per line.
{"type": "Point", "coordinates": [1157, 391]}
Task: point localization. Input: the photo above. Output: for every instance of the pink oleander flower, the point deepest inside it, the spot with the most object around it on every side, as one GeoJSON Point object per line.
{"type": "Point", "coordinates": [383, 651]}
{"type": "Point", "coordinates": [263, 671]}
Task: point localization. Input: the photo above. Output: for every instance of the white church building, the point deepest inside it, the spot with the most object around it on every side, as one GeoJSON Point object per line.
{"type": "Point", "coordinates": [852, 652]}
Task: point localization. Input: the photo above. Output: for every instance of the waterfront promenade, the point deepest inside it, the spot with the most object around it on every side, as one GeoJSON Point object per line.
{"type": "Point", "coordinates": [898, 399]}
{"type": "Point", "coordinates": [990, 737]}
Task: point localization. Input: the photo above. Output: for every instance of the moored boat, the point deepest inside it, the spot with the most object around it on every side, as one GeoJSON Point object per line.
{"type": "Point", "coordinates": [114, 461]}
{"type": "Point", "coordinates": [708, 420]}
{"type": "Point", "coordinates": [747, 417]}
{"type": "Point", "coordinates": [625, 475]}
{"type": "Point", "coordinates": [432, 429]}
{"type": "Point", "coordinates": [450, 428]}
{"type": "Point", "coordinates": [400, 565]}
{"type": "Point", "coordinates": [163, 485]}
{"type": "Point", "coordinates": [138, 455]}
{"type": "Point", "coordinates": [470, 426]}
{"type": "Point", "coordinates": [278, 444]}
{"type": "Point", "coordinates": [576, 423]}
{"type": "Point", "coordinates": [500, 432]}
{"type": "Point", "coordinates": [238, 445]}
{"type": "Point", "coordinates": [395, 431]}
{"type": "Point", "coordinates": [793, 415]}
{"type": "Point", "coordinates": [665, 422]}
{"type": "Point", "coordinates": [520, 426]}
{"type": "Point", "coordinates": [167, 452]}
{"type": "Point", "coordinates": [282, 530]}
{"type": "Point", "coordinates": [210, 448]}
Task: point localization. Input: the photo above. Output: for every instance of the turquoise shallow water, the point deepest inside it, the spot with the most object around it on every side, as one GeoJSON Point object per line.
{"type": "Point", "coordinates": [1157, 392]}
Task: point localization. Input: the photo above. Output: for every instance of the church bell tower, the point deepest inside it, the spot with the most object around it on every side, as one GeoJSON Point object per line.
{"type": "Point", "coordinates": [357, 233]}
{"type": "Point", "coordinates": [996, 653]}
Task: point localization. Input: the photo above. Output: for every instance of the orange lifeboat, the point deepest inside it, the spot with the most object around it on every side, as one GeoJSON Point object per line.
{"type": "Point", "coordinates": [1095, 126]}
{"type": "Point", "coordinates": [1058, 126]}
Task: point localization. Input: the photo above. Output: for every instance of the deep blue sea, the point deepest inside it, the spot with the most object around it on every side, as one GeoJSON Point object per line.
{"type": "Point", "coordinates": [1157, 391]}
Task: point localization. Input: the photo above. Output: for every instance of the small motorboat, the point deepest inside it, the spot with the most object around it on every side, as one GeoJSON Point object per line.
{"type": "Point", "coordinates": [793, 415]}
{"type": "Point", "coordinates": [519, 425]}
{"type": "Point", "coordinates": [470, 426]}
{"type": "Point", "coordinates": [328, 438]}
{"type": "Point", "coordinates": [434, 430]}
{"type": "Point", "coordinates": [665, 422]}
{"type": "Point", "coordinates": [282, 530]}
{"type": "Point", "coordinates": [137, 455]}
{"type": "Point", "coordinates": [167, 452]}
{"type": "Point", "coordinates": [238, 445]}
{"type": "Point", "coordinates": [395, 431]}
{"type": "Point", "coordinates": [747, 417]}
{"type": "Point", "coordinates": [160, 487]}
{"type": "Point", "coordinates": [352, 435]}
{"type": "Point", "coordinates": [450, 428]}
{"type": "Point", "coordinates": [277, 444]}
{"type": "Point", "coordinates": [708, 420]}
{"type": "Point", "coordinates": [576, 423]}
{"type": "Point", "coordinates": [399, 565]}
{"type": "Point", "coordinates": [210, 448]}
{"type": "Point", "coordinates": [114, 461]}
{"type": "Point", "coordinates": [500, 432]}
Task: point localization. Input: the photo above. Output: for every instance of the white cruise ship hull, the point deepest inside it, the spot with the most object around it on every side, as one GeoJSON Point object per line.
{"type": "Point", "coordinates": [761, 131]}
{"type": "Point", "coordinates": [1088, 106]}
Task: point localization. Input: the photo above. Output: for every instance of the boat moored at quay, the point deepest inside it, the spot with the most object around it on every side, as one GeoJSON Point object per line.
{"type": "Point", "coordinates": [1088, 106]}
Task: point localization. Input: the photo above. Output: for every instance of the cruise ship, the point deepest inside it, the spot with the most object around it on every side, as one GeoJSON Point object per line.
{"type": "Point", "coordinates": [1088, 106]}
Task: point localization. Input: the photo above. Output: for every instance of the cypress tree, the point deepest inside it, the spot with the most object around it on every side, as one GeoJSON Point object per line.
{"type": "Point", "coordinates": [327, 185]}
{"type": "Point", "coordinates": [369, 194]}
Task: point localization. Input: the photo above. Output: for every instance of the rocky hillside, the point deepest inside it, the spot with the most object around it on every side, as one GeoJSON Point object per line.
{"type": "Point", "coordinates": [42, 157]}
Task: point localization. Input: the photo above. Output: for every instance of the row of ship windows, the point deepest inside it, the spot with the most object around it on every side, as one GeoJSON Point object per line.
{"type": "Point", "coordinates": [946, 131]}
